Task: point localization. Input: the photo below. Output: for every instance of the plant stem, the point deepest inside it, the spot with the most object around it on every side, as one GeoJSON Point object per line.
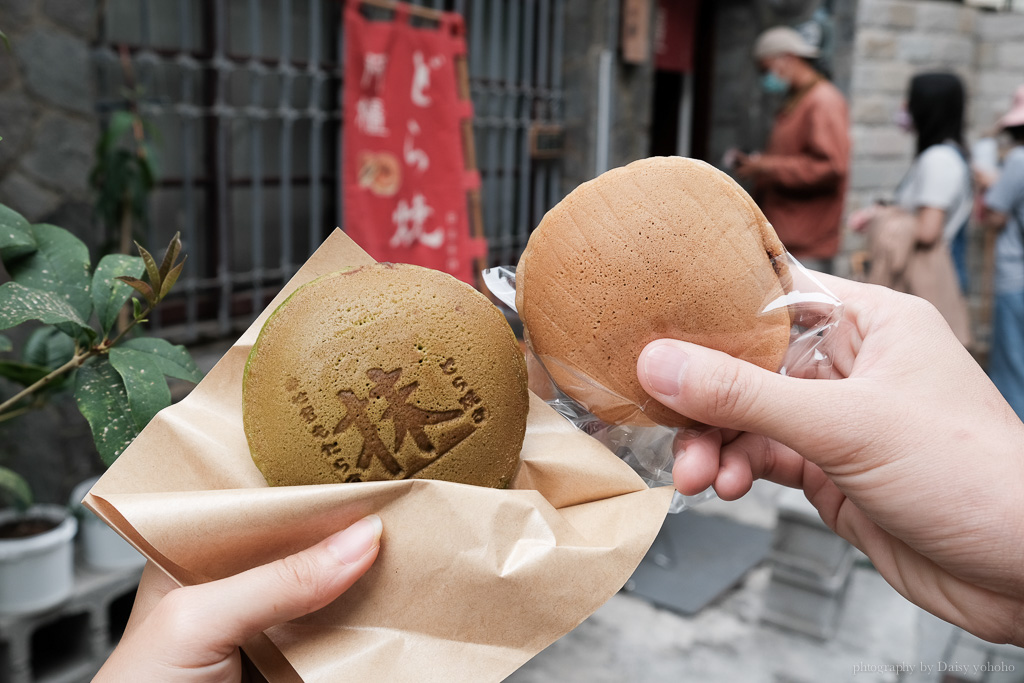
{"type": "Point", "coordinates": [10, 415]}
{"type": "Point", "coordinates": [126, 243]}
{"type": "Point", "coordinates": [75, 362]}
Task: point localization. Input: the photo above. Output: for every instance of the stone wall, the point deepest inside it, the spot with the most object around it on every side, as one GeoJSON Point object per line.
{"type": "Point", "coordinates": [999, 65]}
{"type": "Point", "coordinates": [896, 39]}
{"type": "Point", "coordinates": [899, 38]}
{"type": "Point", "coordinates": [591, 28]}
{"type": "Point", "coordinates": [49, 127]}
{"type": "Point", "coordinates": [47, 111]}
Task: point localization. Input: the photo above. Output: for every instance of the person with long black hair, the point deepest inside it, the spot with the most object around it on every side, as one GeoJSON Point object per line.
{"type": "Point", "coordinates": [919, 245]}
{"type": "Point", "coordinates": [938, 185]}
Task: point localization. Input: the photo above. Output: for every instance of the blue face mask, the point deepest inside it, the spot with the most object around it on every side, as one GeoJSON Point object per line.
{"type": "Point", "coordinates": [773, 85]}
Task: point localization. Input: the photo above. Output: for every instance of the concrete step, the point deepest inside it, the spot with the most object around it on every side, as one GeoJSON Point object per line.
{"type": "Point", "coordinates": [70, 642]}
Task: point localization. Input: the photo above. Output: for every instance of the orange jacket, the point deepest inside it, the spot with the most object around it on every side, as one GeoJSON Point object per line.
{"type": "Point", "coordinates": [804, 172]}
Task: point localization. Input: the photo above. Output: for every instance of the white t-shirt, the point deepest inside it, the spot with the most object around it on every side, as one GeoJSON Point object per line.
{"type": "Point", "coordinates": [939, 179]}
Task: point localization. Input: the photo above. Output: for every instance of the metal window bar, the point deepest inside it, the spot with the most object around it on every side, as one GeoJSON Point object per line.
{"type": "Point", "coordinates": [251, 131]}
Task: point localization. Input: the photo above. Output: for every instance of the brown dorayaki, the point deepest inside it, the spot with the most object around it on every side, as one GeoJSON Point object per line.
{"type": "Point", "coordinates": [665, 247]}
{"type": "Point", "coordinates": [388, 371]}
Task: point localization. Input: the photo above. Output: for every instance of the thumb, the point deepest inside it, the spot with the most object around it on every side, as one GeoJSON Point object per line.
{"type": "Point", "coordinates": [714, 388]}
{"type": "Point", "coordinates": [232, 610]}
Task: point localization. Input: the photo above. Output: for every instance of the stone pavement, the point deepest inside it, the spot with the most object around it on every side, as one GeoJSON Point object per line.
{"type": "Point", "coordinates": [631, 640]}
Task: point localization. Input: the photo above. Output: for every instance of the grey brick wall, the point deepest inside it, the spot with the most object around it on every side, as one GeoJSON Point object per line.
{"type": "Point", "coordinates": [895, 40]}
{"type": "Point", "coordinates": [49, 129]}
{"type": "Point", "coordinates": [47, 111]}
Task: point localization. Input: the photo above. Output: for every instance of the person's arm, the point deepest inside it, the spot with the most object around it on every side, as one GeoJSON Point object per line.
{"type": "Point", "coordinates": [192, 635]}
{"type": "Point", "coordinates": [942, 178]}
{"type": "Point", "coordinates": [1005, 193]}
{"type": "Point", "coordinates": [821, 166]}
{"type": "Point", "coordinates": [911, 454]}
{"type": "Point", "coordinates": [993, 220]}
{"type": "Point", "coordinates": [930, 222]}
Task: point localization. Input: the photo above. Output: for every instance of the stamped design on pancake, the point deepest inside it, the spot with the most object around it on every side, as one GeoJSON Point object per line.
{"type": "Point", "coordinates": [388, 398]}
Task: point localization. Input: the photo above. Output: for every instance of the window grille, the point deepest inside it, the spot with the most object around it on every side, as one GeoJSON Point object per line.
{"type": "Point", "coordinates": [245, 97]}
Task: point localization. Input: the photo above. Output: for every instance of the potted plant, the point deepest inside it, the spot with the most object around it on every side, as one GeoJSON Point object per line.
{"type": "Point", "coordinates": [117, 376]}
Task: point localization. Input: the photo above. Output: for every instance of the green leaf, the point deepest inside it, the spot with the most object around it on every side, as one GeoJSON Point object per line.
{"type": "Point", "coordinates": [5, 344]}
{"type": "Point", "coordinates": [120, 124]}
{"type": "Point", "coordinates": [103, 401]}
{"type": "Point", "coordinates": [15, 488]}
{"type": "Point", "coordinates": [147, 389]}
{"type": "Point", "coordinates": [109, 294]}
{"type": "Point", "coordinates": [60, 266]}
{"type": "Point", "coordinates": [173, 360]}
{"type": "Point", "coordinates": [49, 348]}
{"type": "Point", "coordinates": [140, 286]}
{"type": "Point", "coordinates": [7, 43]}
{"type": "Point", "coordinates": [22, 373]}
{"type": "Point", "coordinates": [137, 308]}
{"type": "Point", "coordinates": [19, 303]}
{"type": "Point", "coordinates": [16, 239]}
{"type": "Point", "coordinates": [151, 268]}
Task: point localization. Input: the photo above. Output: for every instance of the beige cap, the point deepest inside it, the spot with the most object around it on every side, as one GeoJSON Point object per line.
{"type": "Point", "coordinates": [782, 40]}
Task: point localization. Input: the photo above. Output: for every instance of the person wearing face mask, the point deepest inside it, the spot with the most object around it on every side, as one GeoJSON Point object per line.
{"type": "Point", "coordinates": [801, 177]}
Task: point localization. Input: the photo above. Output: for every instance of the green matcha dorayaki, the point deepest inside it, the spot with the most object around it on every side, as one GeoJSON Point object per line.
{"type": "Point", "coordinates": [383, 372]}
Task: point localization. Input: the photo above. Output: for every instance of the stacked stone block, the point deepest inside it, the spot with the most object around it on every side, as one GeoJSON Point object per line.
{"type": "Point", "coordinates": [47, 110]}
{"type": "Point", "coordinates": [810, 571]}
{"type": "Point", "coordinates": [1000, 65]}
{"type": "Point", "coordinates": [69, 643]}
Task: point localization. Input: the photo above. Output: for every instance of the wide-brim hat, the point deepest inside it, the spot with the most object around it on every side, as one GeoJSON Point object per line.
{"type": "Point", "coordinates": [783, 40]}
{"type": "Point", "coordinates": [1014, 117]}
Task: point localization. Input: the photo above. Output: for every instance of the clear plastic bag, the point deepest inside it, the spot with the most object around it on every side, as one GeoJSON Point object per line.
{"type": "Point", "coordinates": [814, 312]}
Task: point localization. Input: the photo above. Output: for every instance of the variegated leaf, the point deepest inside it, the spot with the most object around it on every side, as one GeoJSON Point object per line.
{"type": "Point", "coordinates": [147, 389]}
{"type": "Point", "coordinates": [103, 400]}
{"type": "Point", "coordinates": [173, 360]}
{"type": "Point", "coordinates": [60, 265]}
{"type": "Point", "coordinates": [19, 303]}
{"type": "Point", "coordinates": [110, 294]}
{"type": "Point", "coordinates": [16, 238]}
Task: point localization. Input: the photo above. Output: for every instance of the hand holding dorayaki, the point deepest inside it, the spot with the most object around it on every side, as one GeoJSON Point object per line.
{"type": "Point", "coordinates": [662, 248]}
{"type": "Point", "coordinates": [912, 456]}
{"type": "Point", "coordinates": [192, 634]}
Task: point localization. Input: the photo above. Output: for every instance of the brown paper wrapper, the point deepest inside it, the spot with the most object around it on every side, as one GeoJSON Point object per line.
{"type": "Point", "coordinates": [470, 582]}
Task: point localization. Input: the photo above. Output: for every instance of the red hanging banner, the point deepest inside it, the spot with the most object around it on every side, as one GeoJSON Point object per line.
{"type": "Point", "coordinates": [404, 166]}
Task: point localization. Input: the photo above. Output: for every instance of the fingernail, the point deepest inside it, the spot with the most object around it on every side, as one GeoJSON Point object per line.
{"type": "Point", "coordinates": [663, 367]}
{"type": "Point", "coordinates": [350, 545]}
